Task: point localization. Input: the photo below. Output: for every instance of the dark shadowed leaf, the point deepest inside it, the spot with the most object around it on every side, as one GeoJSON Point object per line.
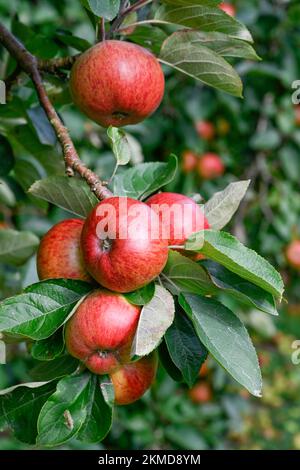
{"type": "Point", "coordinates": [50, 370]}
{"type": "Point", "coordinates": [20, 407]}
{"type": "Point", "coordinates": [42, 126]}
{"type": "Point", "coordinates": [186, 350]}
{"type": "Point", "coordinates": [7, 159]}
{"type": "Point", "coordinates": [168, 364]}
{"type": "Point", "coordinates": [99, 417]}
{"type": "Point", "coordinates": [245, 291]}
{"type": "Point", "coordinates": [49, 348]}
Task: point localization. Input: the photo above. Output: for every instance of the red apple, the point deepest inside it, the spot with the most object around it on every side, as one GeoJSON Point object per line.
{"type": "Point", "coordinates": [228, 8]}
{"type": "Point", "coordinates": [293, 254]}
{"type": "Point", "coordinates": [201, 393]}
{"type": "Point", "coordinates": [121, 244]}
{"type": "Point", "coordinates": [116, 83]}
{"type": "Point", "coordinates": [210, 166]}
{"type": "Point", "coordinates": [205, 130]}
{"type": "Point", "coordinates": [132, 380]}
{"type": "Point", "coordinates": [101, 331]}
{"type": "Point", "coordinates": [189, 161]}
{"type": "Point", "coordinates": [179, 215]}
{"type": "Point", "coordinates": [59, 254]}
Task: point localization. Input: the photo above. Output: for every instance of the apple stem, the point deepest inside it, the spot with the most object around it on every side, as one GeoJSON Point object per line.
{"type": "Point", "coordinates": [28, 63]}
{"type": "Point", "coordinates": [101, 30]}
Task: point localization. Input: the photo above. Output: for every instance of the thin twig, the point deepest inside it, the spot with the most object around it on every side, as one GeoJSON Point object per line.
{"type": "Point", "coordinates": [53, 65]}
{"type": "Point", "coordinates": [123, 12]}
{"type": "Point", "coordinates": [29, 64]}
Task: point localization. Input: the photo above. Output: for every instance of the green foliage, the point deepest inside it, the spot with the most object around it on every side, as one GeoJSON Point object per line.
{"type": "Point", "coordinates": [261, 143]}
{"type": "Point", "coordinates": [226, 339]}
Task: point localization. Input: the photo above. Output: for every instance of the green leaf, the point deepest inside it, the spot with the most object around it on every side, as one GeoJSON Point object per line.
{"type": "Point", "coordinates": [245, 291]}
{"type": "Point", "coordinates": [42, 308]}
{"type": "Point", "coordinates": [186, 350]}
{"type": "Point", "coordinates": [231, 253]}
{"type": "Point", "coordinates": [184, 275]}
{"type": "Point", "coordinates": [7, 196]}
{"type": "Point", "coordinates": [71, 194]}
{"type": "Point", "coordinates": [42, 126]}
{"type": "Point", "coordinates": [149, 37]}
{"type": "Point", "coordinates": [141, 296]}
{"type": "Point", "coordinates": [49, 348]}
{"type": "Point", "coordinates": [65, 412]}
{"type": "Point", "coordinates": [144, 179]}
{"type": "Point", "coordinates": [203, 18]}
{"type": "Point", "coordinates": [107, 390]}
{"type": "Point", "coordinates": [119, 145]}
{"type": "Point", "coordinates": [99, 417]}
{"type": "Point", "coordinates": [220, 43]}
{"type": "Point", "coordinates": [2, 352]}
{"type": "Point", "coordinates": [27, 170]}
{"type": "Point", "coordinates": [200, 63]}
{"type": "Point", "coordinates": [20, 407]}
{"type": "Point", "coordinates": [107, 9]}
{"type": "Point", "coordinates": [50, 370]}
{"type": "Point", "coordinates": [7, 159]}
{"type": "Point", "coordinates": [17, 247]}
{"type": "Point", "coordinates": [156, 317]}
{"type": "Point", "coordinates": [226, 338]}
{"type": "Point", "coordinates": [267, 140]}
{"type": "Point", "coordinates": [68, 39]}
{"type": "Point", "coordinates": [38, 44]}
{"type": "Point", "coordinates": [220, 209]}
{"type": "Point", "coordinates": [168, 364]}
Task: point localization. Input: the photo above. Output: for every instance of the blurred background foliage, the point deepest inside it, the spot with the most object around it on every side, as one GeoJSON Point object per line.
{"type": "Point", "coordinates": [257, 137]}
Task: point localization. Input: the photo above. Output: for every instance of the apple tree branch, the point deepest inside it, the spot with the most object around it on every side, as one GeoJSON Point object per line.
{"type": "Point", "coordinates": [29, 64]}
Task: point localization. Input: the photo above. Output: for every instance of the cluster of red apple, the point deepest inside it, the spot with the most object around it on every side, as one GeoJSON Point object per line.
{"type": "Point", "coordinates": [101, 331]}
{"type": "Point", "coordinates": [209, 165]}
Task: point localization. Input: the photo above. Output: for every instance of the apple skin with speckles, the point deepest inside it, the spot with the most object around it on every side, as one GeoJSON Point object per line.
{"type": "Point", "coordinates": [116, 83]}
{"type": "Point", "coordinates": [183, 221]}
{"type": "Point", "coordinates": [59, 254]}
{"type": "Point", "coordinates": [132, 380]}
{"type": "Point", "coordinates": [121, 244]}
{"type": "Point", "coordinates": [101, 331]}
